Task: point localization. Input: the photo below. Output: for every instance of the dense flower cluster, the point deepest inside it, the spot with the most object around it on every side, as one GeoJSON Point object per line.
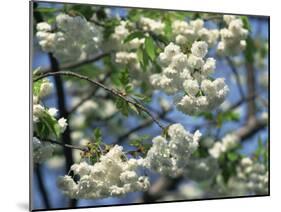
{"type": "Point", "coordinates": [186, 33]}
{"type": "Point", "coordinates": [41, 150]}
{"type": "Point", "coordinates": [116, 40]}
{"type": "Point", "coordinates": [233, 37]}
{"type": "Point", "coordinates": [111, 176]}
{"type": "Point", "coordinates": [228, 142]}
{"type": "Point", "coordinates": [251, 177]}
{"type": "Point", "coordinates": [169, 156]}
{"type": "Point", "coordinates": [189, 73]}
{"type": "Point", "coordinates": [148, 24]}
{"type": "Point", "coordinates": [66, 41]}
{"type": "Point", "coordinates": [45, 118]}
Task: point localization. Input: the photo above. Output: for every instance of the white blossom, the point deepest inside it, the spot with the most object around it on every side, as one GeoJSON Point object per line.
{"type": "Point", "coordinates": [62, 123]}
{"type": "Point", "coordinates": [251, 178]}
{"type": "Point", "coordinates": [112, 175]}
{"type": "Point", "coordinates": [148, 24]}
{"type": "Point", "coordinates": [228, 142]}
{"type": "Point", "coordinates": [170, 156]}
{"type": "Point", "coordinates": [233, 37]}
{"type": "Point", "coordinates": [41, 150]}
{"type": "Point", "coordinates": [68, 44]}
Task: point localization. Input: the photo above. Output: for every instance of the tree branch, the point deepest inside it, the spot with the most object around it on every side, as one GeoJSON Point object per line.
{"type": "Point", "coordinates": [81, 148]}
{"type": "Point", "coordinates": [110, 90]}
{"type": "Point", "coordinates": [235, 72]}
{"type": "Point", "coordinates": [143, 125]}
{"type": "Point", "coordinates": [92, 93]}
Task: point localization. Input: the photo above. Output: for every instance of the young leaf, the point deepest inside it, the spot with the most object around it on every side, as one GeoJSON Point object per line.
{"type": "Point", "coordinates": [150, 47]}
{"type": "Point", "coordinates": [137, 34]}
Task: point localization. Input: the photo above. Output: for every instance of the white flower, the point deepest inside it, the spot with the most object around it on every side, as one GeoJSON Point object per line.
{"type": "Point", "coordinates": [38, 110]}
{"type": "Point", "coordinates": [152, 25]}
{"type": "Point", "coordinates": [170, 156]}
{"type": "Point", "coordinates": [43, 26]}
{"type": "Point", "coordinates": [228, 142]}
{"type": "Point", "coordinates": [233, 37]}
{"type": "Point", "coordinates": [62, 123]}
{"type": "Point", "coordinates": [60, 42]}
{"type": "Point", "coordinates": [52, 111]}
{"type": "Point", "coordinates": [195, 62]}
{"type": "Point", "coordinates": [41, 150]}
{"type": "Point", "coordinates": [45, 88]}
{"type": "Point", "coordinates": [191, 87]}
{"type": "Point", "coordinates": [199, 48]}
{"type": "Point", "coordinates": [111, 176]}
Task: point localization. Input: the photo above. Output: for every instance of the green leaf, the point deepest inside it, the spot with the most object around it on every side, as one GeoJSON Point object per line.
{"type": "Point", "coordinates": [232, 156]}
{"type": "Point", "coordinates": [250, 50]}
{"type": "Point", "coordinates": [124, 77]}
{"type": "Point", "coordinates": [123, 106]}
{"type": "Point", "coordinates": [150, 47]}
{"type": "Point", "coordinates": [46, 10]}
{"type": "Point", "coordinates": [36, 87]}
{"type": "Point", "coordinates": [137, 34]}
{"type": "Point", "coordinates": [48, 125]}
{"type": "Point", "coordinates": [246, 23]}
{"type": "Point", "coordinates": [129, 88]}
{"type": "Point", "coordinates": [134, 108]}
{"type": "Point", "coordinates": [98, 135]}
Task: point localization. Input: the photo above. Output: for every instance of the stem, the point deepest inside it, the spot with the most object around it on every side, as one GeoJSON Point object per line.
{"type": "Point", "coordinates": [111, 91]}
{"type": "Point", "coordinates": [81, 148]}
{"type": "Point", "coordinates": [237, 78]}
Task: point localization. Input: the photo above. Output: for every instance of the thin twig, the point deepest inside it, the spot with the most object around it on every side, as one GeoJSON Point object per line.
{"type": "Point", "coordinates": [110, 90]}
{"type": "Point", "coordinates": [237, 78]}
{"type": "Point", "coordinates": [143, 125]}
{"type": "Point", "coordinates": [94, 91]}
{"type": "Point", "coordinates": [81, 148]}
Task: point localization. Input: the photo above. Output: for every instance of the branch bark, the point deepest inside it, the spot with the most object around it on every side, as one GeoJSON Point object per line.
{"type": "Point", "coordinates": [109, 90]}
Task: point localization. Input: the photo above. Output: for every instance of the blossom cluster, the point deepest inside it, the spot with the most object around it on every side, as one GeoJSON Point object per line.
{"type": "Point", "coordinates": [116, 40]}
{"type": "Point", "coordinates": [41, 150]}
{"type": "Point", "coordinates": [228, 142]}
{"type": "Point", "coordinates": [169, 156]}
{"type": "Point", "coordinates": [112, 175]}
{"type": "Point", "coordinates": [233, 37]}
{"type": "Point", "coordinates": [148, 24]}
{"type": "Point", "coordinates": [187, 76]}
{"type": "Point", "coordinates": [185, 33]}
{"type": "Point", "coordinates": [43, 118]}
{"type": "Point", "coordinates": [66, 41]}
{"type": "Point", "coordinates": [251, 177]}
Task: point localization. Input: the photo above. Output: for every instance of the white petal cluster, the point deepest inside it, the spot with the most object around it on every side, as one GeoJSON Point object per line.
{"type": "Point", "coordinates": [41, 150]}
{"type": "Point", "coordinates": [111, 176]}
{"type": "Point", "coordinates": [170, 156]}
{"type": "Point", "coordinates": [187, 75]}
{"type": "Point", "coordinates": [63, 124]}
{"type": "Point", "coordinates": [116, 40]}
{"type": "Point", "coordinates": [233, 37]}
{"type": "Point", "coordinates": [228, 142]}
{"type": "Point", "coordinates": [148, 24]}
{"type": "Point", "coordinates": [185, 33]}
{"type": "Point", "coordinates": [251, 176]}
{"type": "Point", "coordinates": [126, 58]}
{"type": "Point", "coordinates": [75, 38]}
